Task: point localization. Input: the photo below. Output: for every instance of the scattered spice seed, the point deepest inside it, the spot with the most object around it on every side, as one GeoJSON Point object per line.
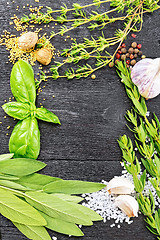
{"type": "Point", "coordinates": [134, 45]}
{"type": "Point", "coordinates": [133, 62]}
{"type": "Point", "coordinates": [136, 50]}
{"type": "Point", "coordinates": [143, 56]}
{"type": "Point", "coordinates": [123, 57]}
{"type": "Point", "coordinates": [118, 56]}
{"type": "Point", "coordinates": [139, 46]}
{"type": "Point", "coordinates": [130, 50]}
{"type": "Point", "coordinates": [93, 76]}
{"type": "Point", "coordinates": [123, 50]}
{"type": "Point", "coordinates": [117, 61]}
{"type": "Point", "coordinates": [111, 64]}
{"type": "Point", "coordinates": [140, 53]}
{"type": "Point", "coordinates": [135, 55]}
{"type": "Point", "coordinates": [133, 35]}
{"type": "Point", "coordinates": [131, 56]}
{"type": "Point", "coordinates": [127, 55]}
{"type": "Point", "coordinates": [128, 62]}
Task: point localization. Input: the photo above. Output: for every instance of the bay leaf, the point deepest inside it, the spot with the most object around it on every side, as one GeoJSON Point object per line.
{"type": "Point", "coordinates": [73, 187]}
{"type": "Point", "coordinates": [57, 208]}
{"type": "Point", "coordinates": [68, 197]}
{"type": "Point", "coordinates": [18, 210]}
{"type": "Point", "coordinates": [20, 166]}
{"type": "Point", "coordinates": [6, 156]}
{"type": "Point", "coordinates": [61, 226]}
{"type": "Point", "coordinates": [33, 232]}
{"type": "Point", "coordinates": [94, 216]}
{"type": "Point", "coordinates": [8, 177]}
{"type": "Point", "coordinates": [13, 185]}
{"type": "Point", "coordinates": [36, 181]}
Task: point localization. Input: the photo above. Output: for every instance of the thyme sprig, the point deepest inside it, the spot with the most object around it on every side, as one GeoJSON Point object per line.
{"type": "Point", "coordinates": [130, 13]}
{"type": "Point", "coordinates": [147, 140]}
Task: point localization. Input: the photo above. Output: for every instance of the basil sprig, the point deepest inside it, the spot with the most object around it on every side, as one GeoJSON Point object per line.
{"type": "Point", "coordinates": [34, 201]}
{"type": "Point", "coordinates": [25, 138]}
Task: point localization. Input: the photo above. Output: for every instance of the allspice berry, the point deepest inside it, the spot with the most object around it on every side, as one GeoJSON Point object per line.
{"type": "Point", "coordinates": [27, 40]}
{"type": "Point", "coordinates": [133, 62]}
{"type": "Point", "coordinates": [134, 45]}
{"type": "Point", "coordinates": [130, 50]}
{"type": "Point", "coordinates": [136, 50]}
{"type": "Point", "coordinates": [123, 57]}
{"type": "Point", "coordinates": [127, 55]}
{"type": "Point", "coordinates": [111, 64]}
{"type": "Point", "coordinates": [123, 50]}
{"type": "Point", "coordinates": [44, 56]}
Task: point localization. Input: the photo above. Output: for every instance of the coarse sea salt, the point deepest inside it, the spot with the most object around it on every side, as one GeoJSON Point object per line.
{"type": "Point", "coordinates": [103, 203]}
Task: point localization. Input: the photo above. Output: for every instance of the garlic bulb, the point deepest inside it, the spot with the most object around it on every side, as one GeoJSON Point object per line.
{"type": "Point", "coordinates": [146, 76]}
{"type": "Point", "coordinates": [27, 40]}
{"type": "Point", "coordinates": [120, 185]}
{"type": "Point", "coordinates": [128, 205]}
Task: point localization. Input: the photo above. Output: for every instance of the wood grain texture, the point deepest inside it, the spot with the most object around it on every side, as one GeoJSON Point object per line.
{"type": "Point", "coordinates": [92, 112]}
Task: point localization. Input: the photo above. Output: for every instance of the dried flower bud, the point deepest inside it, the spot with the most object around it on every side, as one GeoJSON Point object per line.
{"type": "Point", "coordinates": [44, 56]}
{"type": "Point", "coordinates": [145, 75]}
{"type": "Point", "coordinates": [120, 185]}
{"type": "Point", "coordinates": [128, 205]}
{"type": "Point", "coordinates": [27, 40]}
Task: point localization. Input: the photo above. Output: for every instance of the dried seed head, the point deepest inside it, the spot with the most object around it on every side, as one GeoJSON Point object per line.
{"type": "Point", "coordinates": [44, 56]}
{"type": "Point", "coordinates": [128, 205]}
{"type": "Point", "coordinates": [120, 185]}
{"type": "Point", "coordinates": [27, 40]}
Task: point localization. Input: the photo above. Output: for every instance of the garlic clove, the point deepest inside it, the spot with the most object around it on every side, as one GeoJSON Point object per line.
{"type": "Point", "coordinates": [128, 205]}
{"type": "Point", "coordinates": [27, 40]}
{"type": "Point", "coordinates": [146, 76]}
{"type": "Point", "coordinates": [120, 185]}
{"type": "Point", "coordinates": [44, 56]}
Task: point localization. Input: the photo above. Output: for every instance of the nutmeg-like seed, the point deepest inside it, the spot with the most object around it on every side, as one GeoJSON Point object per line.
{"type": "Point", "coordinates": [123, 50]}
{"type": "Point", "coordinates": [27, 40]}
{"type": "Point", "coordinates": [44, 56]}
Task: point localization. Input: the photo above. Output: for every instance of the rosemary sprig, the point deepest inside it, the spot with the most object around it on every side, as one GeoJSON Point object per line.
{"type": "Point", "coordinates": [147, 142]}
{"type": "Point", "coordinates": [130, 13]}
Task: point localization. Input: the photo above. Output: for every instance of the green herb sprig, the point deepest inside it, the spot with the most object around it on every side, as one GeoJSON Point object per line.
{"type": "Point", "coordinates": [25, 138]}
{"type": "Point", "coordinates": [147, 140]}
{"type": "Point", "coordinates": [33, 201]}
{"type": "Point", "coordinates": [130, 13]}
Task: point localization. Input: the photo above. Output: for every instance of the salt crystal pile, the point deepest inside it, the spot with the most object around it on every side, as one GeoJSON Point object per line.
{"type": "Point", "coordinates": [103, 203]}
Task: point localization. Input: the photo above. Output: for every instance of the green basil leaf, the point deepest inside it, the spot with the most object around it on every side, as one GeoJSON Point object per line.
{"type": "Point", "coordinates": [6, 156]}
{"type": "Point", "coordinates": [68, 198]}
{"type": "Point", "coordinates": [73, 187]}
{"type": "Point", "coordinates": [17, 110]}
{"type": "Point", "coordinates": [13, 185]}
{"type": "Point", "coordinates": [18, 210]}
{"type": "Point", "coordinates": [22, 82]}
{"type": "Point", "coordinates": [57, 208]}
{"type": "Point", "coordinates": [20, 166]}
{"type": "Point", "coordinates": [33, 232]}
{"type": "Point", "coordinates": [46, 115]}
{"type": "Point", "coordinates": [36, 181]}
{"type": "Point", "coordinates": [25, 139]}
{"type": "Point", "coordinates": [61, 226]}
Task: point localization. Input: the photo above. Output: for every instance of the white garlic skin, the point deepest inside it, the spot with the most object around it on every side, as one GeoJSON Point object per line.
{"type": "Point", "coordinates": [120, 185]}
{"type": "Point", "coordinates": [146, 76]}
{"type": "Point", "coordinates": [128, 205]}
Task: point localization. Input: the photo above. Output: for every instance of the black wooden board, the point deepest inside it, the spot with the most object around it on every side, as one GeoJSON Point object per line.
{"type": "Point", "coordinates": [92, 112]}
